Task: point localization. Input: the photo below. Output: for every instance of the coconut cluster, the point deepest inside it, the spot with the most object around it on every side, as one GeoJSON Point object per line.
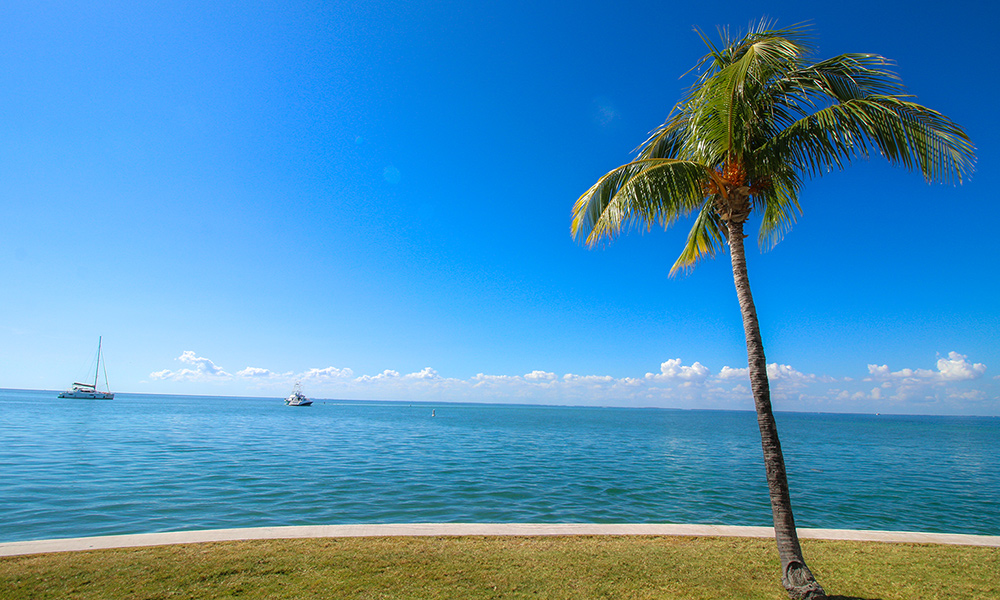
{"type": "Point", "coordinates": [734, 176]}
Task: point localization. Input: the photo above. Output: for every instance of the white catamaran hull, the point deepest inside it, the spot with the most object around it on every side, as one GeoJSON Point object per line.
{"type": "Point", "coordinates": [88, 394]}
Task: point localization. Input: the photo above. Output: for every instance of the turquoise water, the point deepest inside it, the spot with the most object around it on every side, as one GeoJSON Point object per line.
{"type": "Point", "coordinates": [144, 463]}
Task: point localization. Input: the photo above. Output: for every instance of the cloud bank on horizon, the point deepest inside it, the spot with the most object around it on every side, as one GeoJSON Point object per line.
{"type": "Point", "coordinates": [955, 386]}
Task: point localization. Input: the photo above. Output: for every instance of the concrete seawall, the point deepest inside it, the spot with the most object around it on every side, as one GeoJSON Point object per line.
{"type": "Point", "coordinates": [473, 529]}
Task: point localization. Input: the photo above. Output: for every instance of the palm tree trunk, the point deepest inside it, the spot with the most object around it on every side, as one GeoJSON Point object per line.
{"type": "Point", "coordinates": [796, 576]}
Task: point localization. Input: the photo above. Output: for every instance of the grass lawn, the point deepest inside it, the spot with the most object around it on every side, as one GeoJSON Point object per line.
{"type": "Point", "coordinates": [572, 567]}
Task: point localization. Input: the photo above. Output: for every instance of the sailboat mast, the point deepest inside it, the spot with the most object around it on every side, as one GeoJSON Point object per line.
{"type": "Point", "coordinates": [97, 370]}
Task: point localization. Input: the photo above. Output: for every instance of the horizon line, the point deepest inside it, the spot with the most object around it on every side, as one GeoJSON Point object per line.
{"type": "Point", "coordinates": [530, 404]}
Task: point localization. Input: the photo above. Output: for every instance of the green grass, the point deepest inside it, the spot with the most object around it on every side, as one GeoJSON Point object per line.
{"type": "Point", "coordinates": [574, 567]}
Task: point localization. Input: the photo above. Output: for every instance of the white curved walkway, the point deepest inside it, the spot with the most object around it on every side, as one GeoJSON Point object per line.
{"type": "Point", "coordinates": [476, 529]}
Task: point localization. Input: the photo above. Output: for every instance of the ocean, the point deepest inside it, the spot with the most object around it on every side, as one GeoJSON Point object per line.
{"type": "Point", "coordinates": [152, 463]}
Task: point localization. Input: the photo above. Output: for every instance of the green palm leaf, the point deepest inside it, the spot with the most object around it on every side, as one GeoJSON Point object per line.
{"type": "Point", "coordinates": [759, 108]}
{"type": "Point", "coordinates": [642, 191]}
{"type": "Point", "coordinates": [707, 236]}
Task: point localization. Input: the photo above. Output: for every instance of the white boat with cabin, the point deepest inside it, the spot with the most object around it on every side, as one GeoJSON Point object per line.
{"type": "Point", "coordinates": [89, 390]}
{"type": "Point", "coordinates": [297, 398]}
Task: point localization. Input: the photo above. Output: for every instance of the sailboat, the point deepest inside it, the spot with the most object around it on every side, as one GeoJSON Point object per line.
{"type": "Point", "coordinates": [89, 390]}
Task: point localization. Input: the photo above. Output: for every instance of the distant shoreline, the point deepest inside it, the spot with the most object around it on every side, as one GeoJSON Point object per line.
{"type": "Point", "coordinates": [437, 403]}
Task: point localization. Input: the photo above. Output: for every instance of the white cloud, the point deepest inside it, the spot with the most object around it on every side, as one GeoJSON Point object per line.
{"type": "Point", "coordinates": [860, 397]}
{"type": "Point", "coordinates": [977, 395]}
{"type": "Point", "coordinates": [776, 371]}
{"type": "Point", "coordinates": [481, 379]}
{"type": "Point", "coordinates": [673, 370]}
{"type": "Point", "coordinates": [783, 375]}
{"type": "Point", "coordinates": [327, 374]}
{"type": "Point", "coordinates": [948, 388]}
{"type": "Point", "coordinates": [954, 368]}
{"type": "Point", "coordinates": [588, 379]}
{"type": "Point", "coordinates": [878, 372]}
{"type": "Point", "coordinates": [951, 388]}
{"type": "Point", "coordinates": [165, 374]}
{"type": "Point", "coordinates": [384, 375]}
{"type": "Point", "coordinates": [731, 373]}
{"type": "Point", "coordinates": [258, 373]}
{"type": "Point", "coordinates": [957, 368]}
{"type": "Point", "coordinates": [425, 374]}
{"type": "Point", "coordinates": [204, 370]}
{"type": "Point", "coordinates": [202, 365]}
{"type": "Point", "coordinates": [540, 376]}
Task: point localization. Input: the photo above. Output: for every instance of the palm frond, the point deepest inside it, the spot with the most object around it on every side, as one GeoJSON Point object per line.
{"type": "Point", "coordinates": [707, 236]}
{"type": "Point", "coordinates": [667, 140]}
{"type": "Point", "coordinates": [904, 132]}
{"type": "Point", "coordinates": [725, 107]}
{"type": "Point", "coordinates": [779, 206]}
{"type": "Point", "coordinates": [732, 48]}
{"type": "Point", "coordinates": [642, 191]}
{"type": "Point", "coordinates": [852, 76]}
{"type": "Point", "coordinates": [838, 79]}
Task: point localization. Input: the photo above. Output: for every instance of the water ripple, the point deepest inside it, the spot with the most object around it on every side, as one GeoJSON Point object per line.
{"type": "Point", "coordinates": [167, 463]}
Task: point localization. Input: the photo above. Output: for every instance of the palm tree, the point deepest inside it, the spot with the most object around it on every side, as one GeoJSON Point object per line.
{"type": "Point", "coordinates": [759, 119]}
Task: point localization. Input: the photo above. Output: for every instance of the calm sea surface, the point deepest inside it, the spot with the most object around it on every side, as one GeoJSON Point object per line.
{"type": "Point", "coordinates": [145, 463]}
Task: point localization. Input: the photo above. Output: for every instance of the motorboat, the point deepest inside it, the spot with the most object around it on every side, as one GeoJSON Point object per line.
{"type": "Point", "coordinates": [297, 398]}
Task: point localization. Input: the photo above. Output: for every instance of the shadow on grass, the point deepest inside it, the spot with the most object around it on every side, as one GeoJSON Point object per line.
{"type": "Point", "coordinates": [849, 598]}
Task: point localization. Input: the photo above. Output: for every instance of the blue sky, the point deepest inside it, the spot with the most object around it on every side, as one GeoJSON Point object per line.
{"type": "Point", "coordinates": [374, 198]}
